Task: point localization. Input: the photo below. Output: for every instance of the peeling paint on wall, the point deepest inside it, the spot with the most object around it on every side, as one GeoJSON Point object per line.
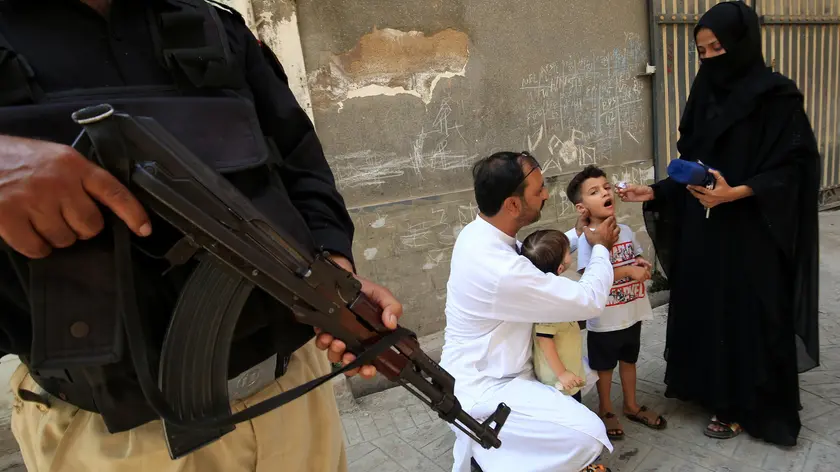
{"type": "Point", "coordinates": [275, 23]}
{"type": "Point", "coordinates": [388, 62]}
{"type": "Point", "coordinates": [277, 26]}
{"type": "Point", "coordinates": [282, 10]}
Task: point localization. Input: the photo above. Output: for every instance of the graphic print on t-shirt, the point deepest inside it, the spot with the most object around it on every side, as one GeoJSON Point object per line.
{"type": "Point", "coordinates": [627, 302]}
{"type": "Point", "coordinates": [624, 290]}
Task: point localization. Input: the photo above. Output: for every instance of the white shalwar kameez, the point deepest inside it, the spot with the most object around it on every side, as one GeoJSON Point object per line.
{"type": "Point", "coordinates": [494, 297]}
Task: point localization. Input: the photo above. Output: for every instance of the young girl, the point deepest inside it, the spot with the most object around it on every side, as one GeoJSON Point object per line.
{"type": "Point", "coordinates": [558, 347]}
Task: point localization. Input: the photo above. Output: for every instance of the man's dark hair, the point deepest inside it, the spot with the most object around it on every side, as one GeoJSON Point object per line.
{"type": "Point", "coordinates": [573, 189]}
{"type": "Point", "coordinates": [499, 176]}
{"type": "Point", "coordinates": [546, 249]}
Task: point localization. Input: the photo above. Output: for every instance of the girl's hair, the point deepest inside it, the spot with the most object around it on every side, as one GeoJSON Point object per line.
{"type": "Point", "coordinates": [546, 249]}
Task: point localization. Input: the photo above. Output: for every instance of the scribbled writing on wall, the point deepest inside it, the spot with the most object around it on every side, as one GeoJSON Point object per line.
{"type": "Point", "coordinates": [585, 109]}
{"type": "Point", "coordinates": [438, 146]}
{"type": "Point", "coordinates": [577, 111]}
{"type": "Point", "coordinates": [431, 148]}
{"type": "Point", "coordinates": [429, 228]}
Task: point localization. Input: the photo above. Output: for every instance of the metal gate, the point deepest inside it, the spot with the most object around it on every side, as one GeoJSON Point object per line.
{"type": "Point", "coordinates": [801, 39]}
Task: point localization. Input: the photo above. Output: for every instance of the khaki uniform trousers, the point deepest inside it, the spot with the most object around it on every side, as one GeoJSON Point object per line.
{"type": "Point", "coordinates": [304, 435]}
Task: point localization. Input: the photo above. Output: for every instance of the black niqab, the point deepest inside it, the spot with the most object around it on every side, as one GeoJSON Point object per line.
{"type": "Point", "coordinates": [746, 277]}
{"type": "Point", "coordinates": [740, 36]}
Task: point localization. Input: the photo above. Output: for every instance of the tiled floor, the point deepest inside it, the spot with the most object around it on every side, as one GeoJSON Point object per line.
{"type": "Point", "coordinates": [392, 431]}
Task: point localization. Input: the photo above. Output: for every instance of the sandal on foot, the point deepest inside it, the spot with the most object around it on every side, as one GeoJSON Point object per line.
{"type": "Point", "coordinates": [596, 468]}
{"type": "Point", "coordinates": [730, 429]}
{"type": "Point", "coordinates": [648, 417]}
{"type": "Point", "coordinates": [614, 430]}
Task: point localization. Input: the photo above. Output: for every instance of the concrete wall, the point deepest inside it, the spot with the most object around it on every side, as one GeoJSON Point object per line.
{"type": "Point", "coordinates": [407, 95]}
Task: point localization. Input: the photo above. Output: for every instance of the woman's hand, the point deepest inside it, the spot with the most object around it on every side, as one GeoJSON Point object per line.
{"type": "Point", "coordinates": [635, 193]}
{"type": "Point", "coordinates": [722, 193]}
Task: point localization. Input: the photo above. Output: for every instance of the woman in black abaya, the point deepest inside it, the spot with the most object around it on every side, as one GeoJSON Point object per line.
{"type": "Point", "coordinates": [742, 319]}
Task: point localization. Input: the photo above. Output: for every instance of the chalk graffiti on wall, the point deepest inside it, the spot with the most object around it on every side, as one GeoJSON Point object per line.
{"type": "Point", "coordinates": [578, 111]}
{"type": "Point", "coordinates": [439, 145]}
{"type": "Point", "coordinates": [441, 229]}
{"type": "Point", "coordinates": [432, 150]}
{"type": "Point", "coordinates": [368, 167]}
{"type": "Point", "coordinates": [583, 110]}
{"type": "Point", "coordinates": [431, 231]}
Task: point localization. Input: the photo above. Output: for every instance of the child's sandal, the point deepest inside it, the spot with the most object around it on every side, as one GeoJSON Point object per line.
{"type": "Point", "coordinates": [614, 430]}
{"type": "Point", "coordinates": [730, 430]}
{"type": "Point", "coordinates": [648, 418]}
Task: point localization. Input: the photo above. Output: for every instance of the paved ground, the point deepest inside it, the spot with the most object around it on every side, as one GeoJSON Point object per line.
{"type": "Point", "coordinates": [392, 432]}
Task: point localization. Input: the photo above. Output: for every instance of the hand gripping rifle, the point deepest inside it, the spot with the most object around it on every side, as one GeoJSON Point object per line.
{"type": "Point", "coordinates": [239, 249]}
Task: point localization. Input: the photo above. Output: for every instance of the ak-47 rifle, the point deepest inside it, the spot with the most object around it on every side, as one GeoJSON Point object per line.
{"type": "Point", "coordinates": [239, 249]}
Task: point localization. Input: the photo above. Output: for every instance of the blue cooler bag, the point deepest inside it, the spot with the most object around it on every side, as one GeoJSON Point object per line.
{"type": "Point", "coordinates": [691, 173]}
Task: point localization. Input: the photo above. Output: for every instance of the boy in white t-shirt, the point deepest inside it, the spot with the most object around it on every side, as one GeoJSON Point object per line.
{"type": "Point", "coordinates": [615, 336]}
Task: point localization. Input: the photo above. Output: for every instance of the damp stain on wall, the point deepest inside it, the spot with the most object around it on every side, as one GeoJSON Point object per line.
{"type": "Point", "coordinates": [388, 62]}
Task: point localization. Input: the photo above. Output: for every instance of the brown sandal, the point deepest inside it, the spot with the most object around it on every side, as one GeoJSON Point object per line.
{"type": "Point", "coordinates": [648, 417]}
{"type": "Point", "coordinates": [614, 429]}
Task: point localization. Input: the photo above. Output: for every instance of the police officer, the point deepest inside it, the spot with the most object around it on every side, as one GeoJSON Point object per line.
{"type": "Point", "coordinates": [57, 55]}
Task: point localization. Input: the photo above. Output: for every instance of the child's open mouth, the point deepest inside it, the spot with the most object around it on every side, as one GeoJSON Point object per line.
{"type": "Point", "coordinates": [608, 203]}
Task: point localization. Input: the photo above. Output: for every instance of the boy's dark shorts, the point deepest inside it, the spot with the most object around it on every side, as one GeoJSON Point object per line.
{"type": "Point", "coordinates": [606, 349]}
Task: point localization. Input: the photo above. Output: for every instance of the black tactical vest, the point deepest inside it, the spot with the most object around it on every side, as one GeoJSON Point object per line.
{"type": "Point", "coordinates": [78, 350]}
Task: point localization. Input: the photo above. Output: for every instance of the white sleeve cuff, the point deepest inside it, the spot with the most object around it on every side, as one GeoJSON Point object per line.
{"type": "Point", "coordinates": [600, 250]}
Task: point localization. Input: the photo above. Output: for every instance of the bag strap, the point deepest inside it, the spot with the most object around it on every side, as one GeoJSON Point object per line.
{"type": "Point", "coordinates": [17, 76]}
